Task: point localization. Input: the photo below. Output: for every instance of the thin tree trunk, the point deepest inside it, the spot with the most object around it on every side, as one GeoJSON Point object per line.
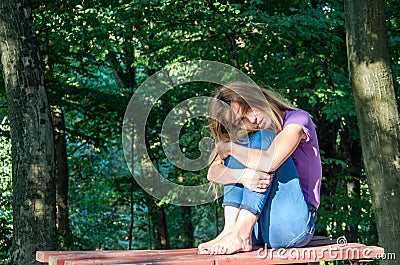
{"type": "Point", "coordinates": [188, 229]}
{"type": "Point", "coordinates": [63, 228]}
{"type": "Point", "coordinates": [216, 220]}
{"type": "Point", "coordinates": [31, 134]}
{"type": "Point", "coordinates": [232, 51]}
{"type": "Point", "coordinates": [354, 188]}
{"type": "Point", "coordinates": [132, 185]}
{"type": "Point", "coordinates": [132, 214]}
{"type": "Point", "coordinates": [377, 114]}
{"type": "Point", "coordinates": [159, 224]}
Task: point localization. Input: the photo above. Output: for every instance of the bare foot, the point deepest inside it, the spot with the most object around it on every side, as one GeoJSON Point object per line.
{"type": "Point", "coordinates": [204, 247]}
{"type": "Point", "coordinates": [230, 244]}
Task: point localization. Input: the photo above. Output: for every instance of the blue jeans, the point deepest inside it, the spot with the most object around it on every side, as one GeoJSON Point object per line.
{"type": "Point", "coordinates": [284, 217]}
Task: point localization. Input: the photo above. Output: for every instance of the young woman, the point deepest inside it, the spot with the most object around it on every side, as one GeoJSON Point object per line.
{"type": "Point", "coordinates": [268, 160]}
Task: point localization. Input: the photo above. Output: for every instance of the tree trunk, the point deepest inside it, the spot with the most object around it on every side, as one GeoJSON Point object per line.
{"type": "Point", "coordinates": [159, 224]}
{"type": "Point", "coordinates": [63, 228]}
{"type": "Point", "coordinates": [354, 187]}
{"type": "Point", "coordinates": [188, 229]}
{"type": "Point", "coordinates": [31, 134]}
{"type": "Point", "coordinates": [377, 114]}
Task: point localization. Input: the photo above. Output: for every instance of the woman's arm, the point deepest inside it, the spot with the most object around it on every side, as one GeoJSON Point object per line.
{"type": "Point", "coordinates": [250, 178]}
{"type": "Point", "coordinates": [269, 160]}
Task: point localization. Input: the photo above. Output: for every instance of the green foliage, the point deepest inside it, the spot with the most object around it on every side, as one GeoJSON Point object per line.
{"type": "Point", "coordinates": [5, 192]}
{"type": "Point", "coordinates": [99, 208]}
{"type": "Point", "coordinates": [393, 23]}
{"type": "Point", "coordinates": [346, 209]}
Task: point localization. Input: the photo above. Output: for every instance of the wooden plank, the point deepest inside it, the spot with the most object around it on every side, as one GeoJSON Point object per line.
{"type": "Point", "coordinates": [319, 249]}
{"type": "Point", "coordinates": [321, 241]}
{"type": "Point", "coordinates": [194, 259]}
{"type": "Point", "coordinates": [43, 256]}
{"type": "Point", "coordinates": [352, 251]}
{"type": "Point", "coordinates": [59, 259]}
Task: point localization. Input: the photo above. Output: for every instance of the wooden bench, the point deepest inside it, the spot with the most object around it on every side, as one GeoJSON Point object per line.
{"type": "Point", "coordinates": [319, 249]}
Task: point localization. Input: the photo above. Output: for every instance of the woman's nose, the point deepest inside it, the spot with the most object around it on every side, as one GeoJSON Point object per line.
{"type": "Point", "coordinates": [252, 117]}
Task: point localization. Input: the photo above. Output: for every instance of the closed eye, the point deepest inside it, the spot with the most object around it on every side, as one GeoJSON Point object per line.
{"type": "Point", "coordinates": [239, 122]}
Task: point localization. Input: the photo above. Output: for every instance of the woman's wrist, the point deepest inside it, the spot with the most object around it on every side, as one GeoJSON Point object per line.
{"type": "Point", "coordinates": [247, 174]}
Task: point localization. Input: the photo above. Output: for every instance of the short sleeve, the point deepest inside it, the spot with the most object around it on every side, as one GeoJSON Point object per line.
{"type": "Point", "coordinates": [299, 117]}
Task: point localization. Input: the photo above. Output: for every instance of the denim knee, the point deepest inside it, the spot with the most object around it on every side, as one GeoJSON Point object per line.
{"type": "Point", "coordinates": [258, 140]}
{"type": "Point", "coordinates": [262, 139]}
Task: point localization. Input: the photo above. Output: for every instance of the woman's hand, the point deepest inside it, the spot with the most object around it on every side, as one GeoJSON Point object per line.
{"type": "Point", "coordinates": [223, 149]}
{"type": "Point", "coordinates": [256, 180]}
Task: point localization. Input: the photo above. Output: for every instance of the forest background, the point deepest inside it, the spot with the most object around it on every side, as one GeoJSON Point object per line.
{"type": "Point", "coordinates": [97, 52]}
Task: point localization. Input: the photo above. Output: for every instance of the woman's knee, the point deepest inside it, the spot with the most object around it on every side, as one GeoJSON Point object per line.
{"type": "Point", "coordinates": [262, 139]}
{"type": "Point", "coordinates": [258, 140]}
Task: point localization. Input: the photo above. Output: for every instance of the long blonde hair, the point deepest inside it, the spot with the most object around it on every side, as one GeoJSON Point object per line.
{"type": "Point", "coordinates": [249, 97]}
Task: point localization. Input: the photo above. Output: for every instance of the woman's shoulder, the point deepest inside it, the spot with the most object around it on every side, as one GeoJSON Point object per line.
{"type": "Point", "coordinates": [296, 114]}
{"type": "Point", "coordinates": [302, 118]}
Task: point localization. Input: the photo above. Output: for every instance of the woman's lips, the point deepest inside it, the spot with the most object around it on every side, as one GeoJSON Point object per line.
{"type": "Point", "coordinates": [259, 125]}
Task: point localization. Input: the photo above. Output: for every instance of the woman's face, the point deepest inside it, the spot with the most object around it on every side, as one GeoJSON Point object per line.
{"type": "Point", "coordinates": [252, 120]}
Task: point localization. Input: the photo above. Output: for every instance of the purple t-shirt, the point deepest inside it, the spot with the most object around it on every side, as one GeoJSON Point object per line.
{"type": "Point", "coordinates": [306, 157]}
